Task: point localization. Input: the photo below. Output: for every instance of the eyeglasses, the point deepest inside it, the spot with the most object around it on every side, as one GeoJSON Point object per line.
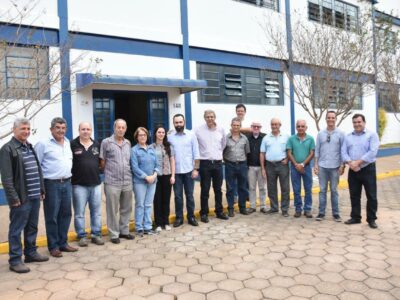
{"type": "Point", "coordinates": [328, 139]}
{"type": "Point", "coordinates": [255, 126]}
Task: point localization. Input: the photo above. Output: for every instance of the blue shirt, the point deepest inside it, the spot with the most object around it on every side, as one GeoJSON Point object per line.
{"type": "Point", "coordinates": [186, 150]}
{"type": "Point", "coordinates": [362, 146]}
{"type": "Point", "coordinates": [143, 163]}
{"type": "Point", "coordinates": [274, 147]}
{"type": "Point", "coordinates": [328, 148]}
{"type": "Point", "coordinates": [55, 159]}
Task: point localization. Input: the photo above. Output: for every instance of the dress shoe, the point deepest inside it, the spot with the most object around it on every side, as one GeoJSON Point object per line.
{"type": "Point", "coordinates": [272, 211]}
{"type": "Point", "coordinates": [126, 236]}
{"type": "Point", "coordinates": [285, 213]}
{"type": "Point", "coordinates": [192, 221]}
{"type": "Point", "coordinates": [231, 212]}
{"type": "Point", "coordinates": [352, 221]}
{"type": "Point", "coordinates": [36, 258]}
{"type": "Point", "coordinates": [222, 216]}
{"type": "Point", "coordinates": [204, 218]}
{"type": "Point", "coordinates": [297, 214]}
{"type": "Point", "coordinates": [177, 223]}
{"type": "Point", "coordinates": [373, 225]}
{"type": "Point", "coordinates": [115, 240]}
{"type": "Point", "coordinates": [56, 253]}
{"type": "Point", "coordinates": [308, 214]}
{"type": "Point", "coordinates": [20, 268]}
{"type": "Point", "coordinates": [244, 212]}
{"type": "Point", "coordinates": [68, 248]}
{"type": "Point", "coordinates": [251, 210]}
{"type": "Point", "coordinates": [264, 210]}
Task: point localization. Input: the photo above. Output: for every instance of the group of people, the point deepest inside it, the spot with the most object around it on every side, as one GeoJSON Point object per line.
{"type": "Point", "coordinates": [57, 170]}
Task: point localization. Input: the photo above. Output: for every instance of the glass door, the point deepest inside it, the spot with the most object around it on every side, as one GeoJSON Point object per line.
{"type": "Point", "coordinates": [157, 112]}
{"type": "Point", "coordinates": [104, 116]}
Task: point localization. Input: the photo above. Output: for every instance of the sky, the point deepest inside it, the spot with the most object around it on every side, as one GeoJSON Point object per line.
{"type": "Point", "coordinates": [389, 6]}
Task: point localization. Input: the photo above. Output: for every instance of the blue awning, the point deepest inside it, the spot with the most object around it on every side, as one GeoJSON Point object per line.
{"type": "Point", "coordinates": [184, 85]}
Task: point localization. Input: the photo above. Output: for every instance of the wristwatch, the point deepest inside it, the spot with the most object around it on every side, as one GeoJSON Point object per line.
{"type": "Point", "coordinates": [302, 164]}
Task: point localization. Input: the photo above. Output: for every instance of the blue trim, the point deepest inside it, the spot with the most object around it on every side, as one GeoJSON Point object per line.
{"type": "Point", "coordinates": [185, 85]}
{"type": "Point", "coordinates": [186, 58]}
{"type": "Point", "coordinates": [62, 7]}
{"type": "Point", "coordinates": [28, 35]}
{"type": "Point", "coordinates": [95, 42]}
{"type": "Point", "coordinates": [388, 152]}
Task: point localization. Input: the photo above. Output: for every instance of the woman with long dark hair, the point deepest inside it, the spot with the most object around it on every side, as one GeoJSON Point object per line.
{"type": "Point", "coordinates": [165, 178]}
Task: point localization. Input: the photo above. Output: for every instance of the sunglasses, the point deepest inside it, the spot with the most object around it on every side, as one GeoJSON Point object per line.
{"type": "Point", "coordinates": [328, 139]}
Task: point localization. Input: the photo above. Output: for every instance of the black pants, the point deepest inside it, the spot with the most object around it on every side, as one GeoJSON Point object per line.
{"type": "Point", "coordinates": [366, 178]}
{"type": "Point", "coordinates": [162, 200]}
{"type": "Point", "coordinates": [211, 171]}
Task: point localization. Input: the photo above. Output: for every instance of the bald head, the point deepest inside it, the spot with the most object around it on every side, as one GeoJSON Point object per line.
{"type": "Point", "coordinates": [85, 131]}
{"type": "Point", "coordinates": [275, 126]}
{"type": "Point", "coordinates": [301, 127]}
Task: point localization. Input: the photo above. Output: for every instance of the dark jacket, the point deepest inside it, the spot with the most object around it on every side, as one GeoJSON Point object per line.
{"type": "Point", "coordinates": [13, 173]}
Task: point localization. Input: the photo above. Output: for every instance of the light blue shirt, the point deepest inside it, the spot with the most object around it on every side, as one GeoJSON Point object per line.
{"type": "Point", "coordinates": [186, 150]}
{"type": "Point", "coordinates": [143, 163]}
{"type": "Point", "coordinates": [328, 148]}
{"type": "Point", "coordinates": [362, 146]}
{"type": "Point", "coordinates": [55, 159]}
{"type": "Point", "coordinates": [274, 147]}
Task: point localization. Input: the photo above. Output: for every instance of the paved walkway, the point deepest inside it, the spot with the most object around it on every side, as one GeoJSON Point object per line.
{"type": "Point", "coordinates": [247, 257]}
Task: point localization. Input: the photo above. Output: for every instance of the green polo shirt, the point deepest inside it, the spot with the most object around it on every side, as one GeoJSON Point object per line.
{"type": "Point", "coordinates": [300, 149]}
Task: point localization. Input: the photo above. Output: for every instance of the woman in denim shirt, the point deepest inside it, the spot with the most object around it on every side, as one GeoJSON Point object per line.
{"type": "Point", "coordinates": [144, 169]}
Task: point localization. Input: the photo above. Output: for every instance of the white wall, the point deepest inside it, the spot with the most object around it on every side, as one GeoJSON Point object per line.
{"type": "Point", "coordinates": [156, 20]}
{"type": "Point", "coordinates": [392, 131]}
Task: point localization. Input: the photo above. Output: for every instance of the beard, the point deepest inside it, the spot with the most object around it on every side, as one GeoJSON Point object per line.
{"type": "Point", "coordinates": [179, 128]}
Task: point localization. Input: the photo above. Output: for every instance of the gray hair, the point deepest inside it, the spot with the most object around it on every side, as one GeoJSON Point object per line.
{"type": "Point", "coordinates": [236, 119]}
{"type": "Point", "coordinates": [209, 111]}
{"type": "Point", "coordinates": [57, 120]}
{"type": "Point", "coordinates": [19, 121]}
{"type": "Point", "coordinates": [119, 120]}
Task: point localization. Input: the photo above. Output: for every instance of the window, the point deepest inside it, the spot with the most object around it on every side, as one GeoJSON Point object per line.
{"type": "Point", "coordinates": [335, 13]}
{"type": "Point", "coordinates": [271, 4]}
{"type": "Point", "coordinates": [240, 85]}
{"type": "Point", "coordinates": [388, 95]}
{"type": "Point", "coordinates": [337, 93]}
{"type": "Point", "coordinates": [24, 72]}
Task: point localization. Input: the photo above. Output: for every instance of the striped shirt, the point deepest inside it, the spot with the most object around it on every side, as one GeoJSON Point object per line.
{"type": "Point", "coordinates": [31, 173]}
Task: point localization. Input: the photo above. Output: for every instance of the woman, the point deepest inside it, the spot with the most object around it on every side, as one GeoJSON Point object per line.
{"type": "Point", "coordinates": [165, 179]}
{"type": "Point", "coordinates": [144, 169]}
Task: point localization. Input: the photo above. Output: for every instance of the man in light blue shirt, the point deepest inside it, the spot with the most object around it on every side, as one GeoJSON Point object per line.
{"type": "Point", "coordinates": [55, 158]}
{"type": "Point", "coordinates": [359, 151]}
{"type": "Point", "coordinates": [328, 165]}
{"type": "Point", "coordinates": [187, 161]}
{"type": "Point", "coordinates": [273, 152]}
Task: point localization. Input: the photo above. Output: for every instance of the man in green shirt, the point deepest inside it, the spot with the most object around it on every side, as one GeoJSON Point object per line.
{"type": "Point", "coordinates": [300, 148]}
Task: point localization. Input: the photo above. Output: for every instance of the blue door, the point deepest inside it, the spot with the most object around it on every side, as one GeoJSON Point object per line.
{"type": "Point", "coordinates": [157, 112]}
{"type": "Point", "coordinates": [104, 116]}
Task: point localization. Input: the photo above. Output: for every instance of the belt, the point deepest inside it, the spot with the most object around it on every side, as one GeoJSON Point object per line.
{"type": "Point", "coordinates": [235, 162]}
{"type": "Point", "coordinates": [212, 161]}
{"type": "Point", "coordinates": [275, 161]}
{"type": "Point", "coordinates": [61, 180]}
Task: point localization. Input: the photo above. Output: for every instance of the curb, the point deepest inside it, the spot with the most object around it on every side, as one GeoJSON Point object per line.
{"type": "Point", "coordinates": [42, 240]}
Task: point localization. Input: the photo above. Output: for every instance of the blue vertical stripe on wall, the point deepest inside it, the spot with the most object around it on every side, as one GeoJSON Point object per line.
{"type": "Point", "coordinates": [375, 66]}
{"type": "Point", "coordinates": [185, 59]}
{"type": "Point", "coordinates": [65, 64]}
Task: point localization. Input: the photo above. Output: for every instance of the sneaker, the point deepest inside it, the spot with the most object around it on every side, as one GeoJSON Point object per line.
{"type": "Point", "coordinates": [83, 242]}
{"type": "Point", "coordinates": [272, 211]}
{"type": "Point", "coordinates": [264, 210]}
{"type": "Point", "coordinates": [308, 214]}
{"type": "Point", "coordinates": [337, 218]}
{"type": "Point", "coordinates": [19, 268]}
{"type": "Point", "coordinates": [297, 214]}
{"type": "Point", "coordinates": [168, 228]}
{"type": "Point", "coordinates": [231, 213]}
{"type": "Point", "coordinates": [158, 229]}
{"type": "Point", "coordinates": [285, 213]}
{"type": "Point", "coordinates": [97, 240]}
{"type": "Point", "coordinates": [251, 210]}
{"type": "Point", "coordinates": [320, 217]}
{"type": "Point", "coordinates": [140, 233]}
{"type": "Point", "coordinates": [149, 232]}
{"type": "Point", "coordinates": [36, 257]}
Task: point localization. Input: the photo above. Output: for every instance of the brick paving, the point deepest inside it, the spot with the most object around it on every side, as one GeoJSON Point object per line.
{"type": "Point", "coordinates": [247, 257]}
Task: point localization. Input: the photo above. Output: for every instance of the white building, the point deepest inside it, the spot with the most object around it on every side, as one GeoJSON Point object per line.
{"type": "Point", "coordinates": [162, 57]}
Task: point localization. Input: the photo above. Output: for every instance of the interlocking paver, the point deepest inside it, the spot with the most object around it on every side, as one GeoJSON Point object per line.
{"type": "Point", "coordinates": [248, 294]}
{"type": "Point", "coordinates": [175, 288]}
{"type": "Point", "coordinates": [274, 292]}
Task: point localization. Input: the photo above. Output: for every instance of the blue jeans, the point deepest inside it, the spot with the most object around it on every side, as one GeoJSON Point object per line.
{"type": "Point", "coordinates": [23, 218]}
{"type": "Point", "coordinates": [144, 195]}
{"type": "Point", "coordinates": [236, 172]}
{"type": "Point", "coordinates": [81, 195]}
{"type": "Point", "coordinates": [307, 184]}
{"type": "Point", "coordinates": [184, 181]}
{"type": "Point", "coordinates": [326, 175]}
{"type": "Point", "coordinates": [57, 212]}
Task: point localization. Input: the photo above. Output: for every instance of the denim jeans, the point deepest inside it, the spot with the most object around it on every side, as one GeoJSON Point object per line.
{"type": "Point", "coordinates": [81, 195]}
{"type": "Point", "coordinates": [330, 175]}
{"type": "Point", "coordinates": [307, 184]}
{"type": "Point", "coordinates": [144, 195]}
{"type": "Point", "coordinates": [57, 212]}
{"type": "Point", "coordinates": [23, 218]}
{"type": "Point", "coordinates": [236, 171]}
{"type": "Point", "coordinates": [211, 171]}
{"type": "Point", "coordinates": [184, 181]}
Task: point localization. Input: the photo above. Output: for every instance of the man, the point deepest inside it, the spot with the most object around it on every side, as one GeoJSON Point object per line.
{"type": "Point", "coordinates": [55, 157]}
{"type": "Point", "coordinates": [115, 156]}
{"type": "Point", "coordinates": [359, 151]}
{"type": "Point", "coordinates": [212, 141]}
{"type": "Point", "coordinates": [328, 165]}
{"type": "Point", "coordinates": [186, 169]}
{"type": "Point", "coordinates": [22, 180]}
{"type": "Point", "coordinates": [86, 186]}
{"type": "Point", "coordinates": [300, 148]}
{"type": "Point", "coordinates": [255, 172]}
{"type": "Point", "coordinates": [273, 151]}
{"type": "Point", "coordinates": [235, 152]}
{"type": "Point", "coordinates": [240, 114]}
